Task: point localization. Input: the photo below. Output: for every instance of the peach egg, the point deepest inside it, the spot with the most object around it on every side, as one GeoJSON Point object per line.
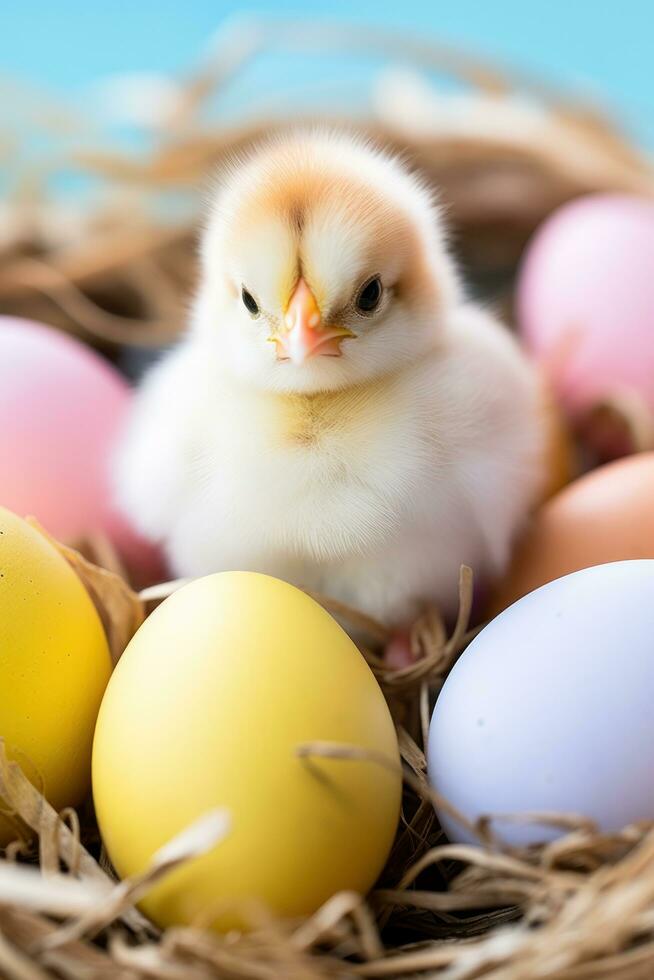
{"type": "Point", "coordinates": [605, 516]}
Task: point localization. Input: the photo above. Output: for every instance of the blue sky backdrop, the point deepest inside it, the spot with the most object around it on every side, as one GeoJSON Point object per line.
{"type": "Point", "coordinates": [602, 47]}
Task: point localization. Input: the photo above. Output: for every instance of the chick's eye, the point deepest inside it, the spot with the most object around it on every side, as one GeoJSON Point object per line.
{"type": "Point", "coordinates": [249, 302]}
{"type": "Point", "coordinates": [369, 296]}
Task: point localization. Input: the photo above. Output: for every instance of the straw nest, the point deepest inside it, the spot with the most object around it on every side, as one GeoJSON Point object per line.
{"type": "Point", "coordinates": [504, 151]}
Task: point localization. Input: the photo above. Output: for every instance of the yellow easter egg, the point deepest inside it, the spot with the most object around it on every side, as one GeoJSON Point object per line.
{"type": "Point", "coordinates": [207, 708]}
{"type": "Point", "coordinates": [54, 667]}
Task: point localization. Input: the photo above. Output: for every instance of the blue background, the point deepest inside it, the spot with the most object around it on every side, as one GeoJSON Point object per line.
{"type": "Point", "coordinates": [604, 49]}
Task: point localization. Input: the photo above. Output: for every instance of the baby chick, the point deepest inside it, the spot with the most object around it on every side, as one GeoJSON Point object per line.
{"type": "Point", "coordinates": [337, 414]}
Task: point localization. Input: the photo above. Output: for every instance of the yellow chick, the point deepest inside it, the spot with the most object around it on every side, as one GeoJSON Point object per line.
{"type": "Point", "coordinates": [337, 413]}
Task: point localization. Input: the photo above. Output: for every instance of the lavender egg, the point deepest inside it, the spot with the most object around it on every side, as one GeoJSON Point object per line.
{"type": "Point", "coordinates": [550, 708]}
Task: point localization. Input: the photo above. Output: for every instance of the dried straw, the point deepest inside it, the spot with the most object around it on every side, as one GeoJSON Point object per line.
{"type": "Point", "coordinates": [579, 907]}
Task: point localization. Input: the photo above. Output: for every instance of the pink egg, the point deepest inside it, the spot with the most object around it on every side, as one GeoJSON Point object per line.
{"type": "Point", "coordinates": [585, 299]}
{"type": "Point", "coordinates": [62, 407]}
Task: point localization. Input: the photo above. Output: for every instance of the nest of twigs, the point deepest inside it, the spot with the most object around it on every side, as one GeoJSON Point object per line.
{"type": "Point", "coordinates": [504, 152]}
{"type": "Point", "coordinates": [580, 907]}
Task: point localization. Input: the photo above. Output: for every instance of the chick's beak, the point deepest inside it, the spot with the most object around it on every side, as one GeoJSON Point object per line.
{"type": "Point", "coordinates": [303, 333]}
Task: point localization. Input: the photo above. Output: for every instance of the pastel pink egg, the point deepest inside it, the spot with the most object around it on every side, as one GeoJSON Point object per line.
{"type": "Point", "coordinates": [62, 408]}
{"type": "Point", "coordinates": [585, 299]}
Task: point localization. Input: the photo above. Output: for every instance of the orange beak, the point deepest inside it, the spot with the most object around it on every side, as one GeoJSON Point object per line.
{"type": "Point", "coordinates": [303, 334]}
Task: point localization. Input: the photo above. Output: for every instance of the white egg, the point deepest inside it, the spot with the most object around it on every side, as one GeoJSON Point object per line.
{"type": "Point", "coordinates": [551, 707]}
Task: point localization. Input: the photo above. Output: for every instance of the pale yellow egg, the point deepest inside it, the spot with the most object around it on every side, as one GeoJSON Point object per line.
{"type": "Point", "coordinates": [207, 708]}
{"type": "Point", "coordinates": [54, 667]}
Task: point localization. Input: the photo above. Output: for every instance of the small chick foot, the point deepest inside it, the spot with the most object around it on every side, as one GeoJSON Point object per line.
{"type": "Point", "coordinates": [397, 652]}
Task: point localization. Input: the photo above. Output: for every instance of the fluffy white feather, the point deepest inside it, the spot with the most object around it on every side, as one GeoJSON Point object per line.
{"type": "Point", "coordinates": [371, 476]}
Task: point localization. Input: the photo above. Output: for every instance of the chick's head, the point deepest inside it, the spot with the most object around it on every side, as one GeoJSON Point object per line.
{"type": "Point", "coordinates": [323, 265]}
